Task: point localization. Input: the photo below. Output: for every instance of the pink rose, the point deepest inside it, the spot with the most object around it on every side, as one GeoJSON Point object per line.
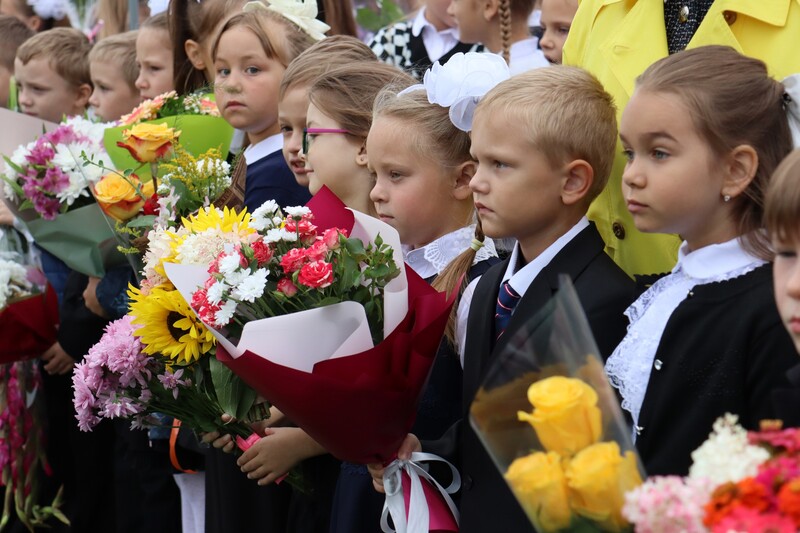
{"type": "Point", "coordinates": [262, 252]}
{"type": "Point", "coordinates": [293, 260]}
{"type": "Point", "coordinates": [307, 230]}
{"type": "Point", "coordinates": [286, 286]}
{"type": "Point", "coordinates": [316, 275]}
{"type": "Point", "coordinates": [331, 238]}
{"type": "Point", "coordinates": [317, 251]}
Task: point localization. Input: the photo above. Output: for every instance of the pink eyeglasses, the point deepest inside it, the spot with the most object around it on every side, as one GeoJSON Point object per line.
{"type": "Point", "coordinates": [309, 133]}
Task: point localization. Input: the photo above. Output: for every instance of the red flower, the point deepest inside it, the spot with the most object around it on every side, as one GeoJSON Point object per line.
{"type": "Point", "coordinates": [293, 260]}
{"type": "Point", "coordinates": [151, 206]}
{"type": "Point", "coordinates": [316, 275]}
{"type": "Point", "coordinates": [262, 252]}
{"type": "Point", "coordinates": [317, 251]}
{"type": "Point", "coordinates": [286, 286]}
{"type": "Point", "coordinates": [789, 500]}
{"type": "Point", "coordinates": [331, 238]}
{"type": "Point", "coordinates": [307, 230]}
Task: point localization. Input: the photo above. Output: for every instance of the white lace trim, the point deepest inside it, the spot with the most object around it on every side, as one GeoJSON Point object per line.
{"type": "Point", "coordinates": [431, 259]}
{"type": "Point", "coordinates": [630, 365]}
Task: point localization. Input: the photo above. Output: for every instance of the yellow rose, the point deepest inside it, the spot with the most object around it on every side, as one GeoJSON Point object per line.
{"type": "Point", "coordinates": [598, 478]}
{"type": "Point", "coordinates": [149, 143]}
{"type": "Point", "coordinates": [565, 414]}
{"type": "Point", "coordinates": [540, 486]}
{"type": "Point", "coordinates": [122, 198]}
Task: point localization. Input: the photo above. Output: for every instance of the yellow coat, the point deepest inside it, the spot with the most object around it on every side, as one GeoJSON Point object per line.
{"type": "Point", "coordinates": [616, 40]}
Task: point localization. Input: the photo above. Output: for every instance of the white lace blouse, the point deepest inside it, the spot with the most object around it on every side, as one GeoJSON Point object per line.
{"type": "Point", "coordinates": [431, 259]}
{"type": "Point", "coordinates": [629, 367]}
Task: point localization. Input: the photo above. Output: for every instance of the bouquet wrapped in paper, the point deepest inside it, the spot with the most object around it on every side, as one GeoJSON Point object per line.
{"type": "Point", "coordinates": [143, 134]}
{"type": "Point", "coordinates": [552, 424]}
{"type": "Point", "coordinates": [46, 186]}
{"type": "Point", "coordinates": [333, 332]}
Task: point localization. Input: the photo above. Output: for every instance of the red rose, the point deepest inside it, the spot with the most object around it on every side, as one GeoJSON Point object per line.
{"type": "Point", "coordinates": [293, 260]}
{"type": "Point", "coordinates": [306, 229]}
{"type": "Point", "coordinates": [331, 238]}
{"type": "Point", "coordinates": [151, 206]}
{"type": "Point", "coordinates": [262, 252]}
{"type": "Point", "coordinates": [317, 251]}
{"type": "Point", "coordinates": [316, 275]}
{"type": "Point", "coordinates": [286, 286]}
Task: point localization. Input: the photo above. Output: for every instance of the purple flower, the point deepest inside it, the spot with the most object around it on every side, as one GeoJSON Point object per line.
{"type": "Point", "coordinates": [171, 380]}
{"type": "Point", "coordinates": [54, 180]}
{"type": "Point", "coordinates": [41, 153]}
{"type": "Point", "coordinates": [119, 407]}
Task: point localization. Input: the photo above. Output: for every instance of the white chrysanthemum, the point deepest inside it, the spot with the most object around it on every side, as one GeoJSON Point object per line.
{"type": "Point", "coordinates": [223, 316]}
{"type": "Point", "coordinates": [727, 455]}
{"type": "Point", "coordinates": [252, 286]}
{"type": "Point", "coordinates": [18, 158]}
{"type": "Point", "coordinates": [230, 263]}
{"type": "Point", "coordinates": [216, 292]}
{"type": "Point", "coordinates": [8, 191]}
{"type": "Point", "coordinates": [297, 211]}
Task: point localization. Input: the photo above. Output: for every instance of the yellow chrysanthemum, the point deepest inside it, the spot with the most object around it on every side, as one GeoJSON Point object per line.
{"type": "Point", "coordinates": [224, 220]}
{"type": "Point", "coordinates": [168, 325]}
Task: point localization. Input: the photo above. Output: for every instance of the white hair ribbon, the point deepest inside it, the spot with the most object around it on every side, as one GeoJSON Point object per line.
{"type": "Point", "coordinates": [461, 83]}
{"type": "Point", "coordinates": [419, 516]}
{"type": "Point", "coordinates": [50, 9]}
{"type": "Point", "coordinates": [791, 102]}
{"type": "Point", "coordinates": [301, 12]}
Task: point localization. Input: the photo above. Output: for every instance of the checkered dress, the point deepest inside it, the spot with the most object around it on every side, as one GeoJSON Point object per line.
{"type": "Point", "coordinates": [397, 45]}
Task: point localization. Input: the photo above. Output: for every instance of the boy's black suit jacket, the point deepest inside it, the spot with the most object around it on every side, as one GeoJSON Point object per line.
{"type": "Point", "coordinates": [604, 291]}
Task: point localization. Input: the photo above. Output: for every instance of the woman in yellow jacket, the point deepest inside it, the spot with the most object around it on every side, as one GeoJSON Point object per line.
{"type": "Point", "coordinates": [616, 40]}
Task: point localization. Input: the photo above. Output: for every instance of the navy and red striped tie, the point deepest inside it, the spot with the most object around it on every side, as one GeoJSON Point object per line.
{"type": "Point", "coordinates": [507, 299]}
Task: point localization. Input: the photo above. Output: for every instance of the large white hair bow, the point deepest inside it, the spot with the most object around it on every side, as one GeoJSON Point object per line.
{"type": "Point", "coordinates": [792, 104]}
{"type": "Point", "coordinates": [50, 9]}
{"type": "Point", "coordinates": [301, 12]}
{"type": "Point", "coordinates": [461, 83]}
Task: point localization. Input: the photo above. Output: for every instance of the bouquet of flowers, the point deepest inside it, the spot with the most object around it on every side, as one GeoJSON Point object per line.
{"type": "Point", "coordinates": [152, 126]}
{"type": "Point", "coordinates": [46, 186]}
{"type": "Point", "coordinates": [376, 329]}
{"type": "Point", "coordinates": [552, 425]}
{"type": "Point", "coordinates": [739, 481]}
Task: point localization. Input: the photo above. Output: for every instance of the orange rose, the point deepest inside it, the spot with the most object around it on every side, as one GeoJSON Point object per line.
{"type": "Point", "coordinates": [150, 143]}
{"type": "Point", "coordinates": [122, 197]}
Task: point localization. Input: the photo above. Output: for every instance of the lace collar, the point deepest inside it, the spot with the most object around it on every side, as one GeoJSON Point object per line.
{"type": "Point", "coordinates": [431, 259]}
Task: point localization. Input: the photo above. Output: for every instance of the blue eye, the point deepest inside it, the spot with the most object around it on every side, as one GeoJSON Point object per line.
{"type": "Point", "coordinates": [628, 155]}
{"type": "Point", "coordinates": [252, 70]}
{"type": "Point", "coordinates": [660, 154]}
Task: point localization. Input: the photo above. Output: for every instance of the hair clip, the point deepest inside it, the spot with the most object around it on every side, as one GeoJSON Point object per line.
{"type": "Point", "coordinates": [460, 83]}
{"type": "Point", "coordinates": [302, 12]}
{"type": "Point", "coordinates": [476, 244]}
{"type": "Point", "coordinates": [791, 104]}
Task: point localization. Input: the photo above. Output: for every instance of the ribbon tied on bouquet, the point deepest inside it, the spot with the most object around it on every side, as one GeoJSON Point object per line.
{"type": "Point", "coordinates": [411, 500]}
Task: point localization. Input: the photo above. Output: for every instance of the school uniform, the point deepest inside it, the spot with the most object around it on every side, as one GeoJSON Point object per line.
{"type": "Point", "coordinates": [703, 341]}
{"type": "Point", "coordinates": [357, 506]}
{"type": "Point", "coordinates": [604, 291]}
{"type": "Point", "coordinates": [416, 44]}
{"type": "Point", "coordinates": [526, 55]}
{"type": "Point", "coordinates": [269, 177]}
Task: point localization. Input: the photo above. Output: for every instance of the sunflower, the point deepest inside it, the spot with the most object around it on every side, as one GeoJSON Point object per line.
{"type": "Point", "coordinates": [168, 325]}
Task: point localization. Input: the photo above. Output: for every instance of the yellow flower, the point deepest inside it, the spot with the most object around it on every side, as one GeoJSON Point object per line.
{"type": "Point", "coordinates": [168, 325]}
{"type": "Point", "coordinates": [540, 486]}
{"type": "Point", "coordinates": [565, 414]}
{"type": "Point", "coordinates": [225, 220]}
{"type": "Point", "coordinates": [598, 478]}
{"type": "Point", "coordinates": [149, 143]}
{"type": "Point", "coordinates": [122, 197]}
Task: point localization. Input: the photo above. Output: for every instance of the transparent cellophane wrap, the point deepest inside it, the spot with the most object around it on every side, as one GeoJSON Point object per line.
{"type": "Point", "coordinates": [572, 471]}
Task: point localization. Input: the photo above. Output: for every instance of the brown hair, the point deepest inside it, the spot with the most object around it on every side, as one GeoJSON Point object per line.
{"type": "Point", "coordinates": [437, 139]}
{"type": "Point", "coordinates": [47, 23]}
{"type": "Point", "coordinates": [283, 44]}
{"type": "Point", "coordinates": [782, 204]}
{"type": "Point", "coordinates": [506, 10]}
{"type": "Point", "coordinates": [347, 93]}
{"type": "Point", "coordinates": [321, 57]}
{"type": "Point", "coordinates": [732, 102]}
{"type": "Point", "coordinates": [156, 22]}
{"type": "Point", "coordinates": [120, 50]}
{"type": "Point", "coordinates": [338, 14]}
{"type": "Point", "coordinates": [114, 15]}
{"type": "Point", "coordinates": [195, 20]}
{"type": "Point", "coordinates": [13, 32]}
{"type": "Point", "coordinates": [66, 50]}
{"type": "Point", "coordinates": [566, 114]}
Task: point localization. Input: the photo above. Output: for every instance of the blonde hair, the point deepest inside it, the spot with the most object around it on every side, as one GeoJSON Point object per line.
{"type": "Point", "coordinates": [195, 20]}
{"type": "Point", "coordinates": [347, 93]}
{"type": "Point", "coordinates": [782, 205]}
{"type": "Point", "coordinates": [506, 10]}
{"type": "Point", "coordinates": [119, 50]}
{"type": "Point", "coordinates": [65, 49]}
{"type": "Point", "coordinates": [323, 56]}
{"type": "Point", "coordinates": [13, 32]}
{"type": "Point", "coordinates": [732, 102]}
{"type": "Point", "coordinates": [280, 38]}
{"type": "Point", "coordinates": [114, 15]}
{"type": "Point", "coordinates": [566, 115]}
{"type": "Point", "coordinates": [438, 140]}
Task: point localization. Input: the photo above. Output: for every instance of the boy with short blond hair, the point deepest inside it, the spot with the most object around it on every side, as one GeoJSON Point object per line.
{"type": "Point", "coordinates": [113, 69]}
{"type": "Point", "coordinates": [13, 32]}
{"type": "Point", "coordinates": [52, 73]}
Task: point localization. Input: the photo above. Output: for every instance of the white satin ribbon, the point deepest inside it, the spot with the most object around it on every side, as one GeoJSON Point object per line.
{"type": "Point", "coordinates": [418, 516]}
{"type": "Point", "coordinates": [792, 87]}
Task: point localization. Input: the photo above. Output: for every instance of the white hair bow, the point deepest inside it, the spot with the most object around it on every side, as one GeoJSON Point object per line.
{"type": "Point", "coordinates": [50, 9]}
{"type": "Point", "coordinates": [792, 105]}
{"type": "Point", "coordinates": [301, 12]}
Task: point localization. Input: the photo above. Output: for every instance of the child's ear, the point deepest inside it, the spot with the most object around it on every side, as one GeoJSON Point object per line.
{"type": "Point", "coordinates": [35, 23]}
{"type": "Point", "coordinates": [361, 156]}
{"type": "Point", "coordinates": [464, 174]}
{"type": "Point", "coordinates": [490, 8]}
{"type": "Point", "coordinates": [195, 54]}
{"type": "Point", "coordinates": [577, 179]}
{"type": "Point", "coordinates": [741, 169]}
{"type": "Point", "coordinates": [83, 95]}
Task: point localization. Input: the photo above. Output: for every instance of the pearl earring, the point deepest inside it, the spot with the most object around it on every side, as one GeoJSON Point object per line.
{"type": "Point", "coordinates": [726, 198]}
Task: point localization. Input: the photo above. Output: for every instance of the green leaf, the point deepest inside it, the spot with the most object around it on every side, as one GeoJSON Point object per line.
{"type": "Point", "coordinates": [330, 300]}
{"type": "Point", "coordinates": [144, 221]}
{"type": "Point", "coordinates": [234, 397]}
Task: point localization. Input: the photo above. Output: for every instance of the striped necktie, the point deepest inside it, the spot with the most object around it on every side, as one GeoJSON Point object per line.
{"type": "Point", "coordinates": [507, 299]}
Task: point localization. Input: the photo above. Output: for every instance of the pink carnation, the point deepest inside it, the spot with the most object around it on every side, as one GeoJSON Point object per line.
{"type": "Point", "coordinates": [262, 252]}
{"type": "Point", "coordinates": [746, 519]}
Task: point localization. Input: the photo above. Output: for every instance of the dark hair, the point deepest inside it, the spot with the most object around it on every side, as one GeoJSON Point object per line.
{"type": "Point", "coordinates": [732, 101]}
{"type": "Point", "coordinates": [338, 14]}
{"type": "Point", "coordinates": [13, 32]}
